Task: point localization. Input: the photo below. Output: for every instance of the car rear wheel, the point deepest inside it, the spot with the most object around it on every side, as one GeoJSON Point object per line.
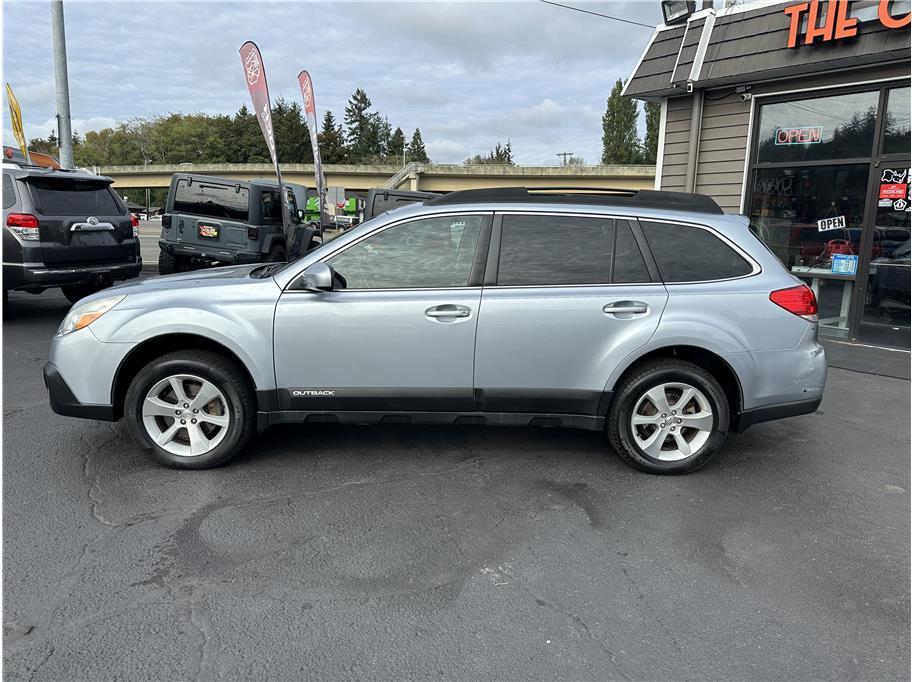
{"type": "Point", "coordinates": [78, 292]}
{"type": "Point", "coordinates": [277, 254]}
{"type": "Point", "coordinates": [190, 409]}
{"type": "Point", "coordinates": [167, 264]}
{"type": "Point", "coordinates": [668, 417]}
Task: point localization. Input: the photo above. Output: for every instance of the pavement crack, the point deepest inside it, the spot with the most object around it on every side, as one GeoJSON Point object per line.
{"type": "Point", "coordinates": [652, 610]}
{"type": "Point", "coordinates": [580, 625]}
{"type": "Point", "coordinates": [94, 482]}
{"type": "Point", "coordinates": [203, 627]}
{"type": "Point", "coordinates": [44, 660]}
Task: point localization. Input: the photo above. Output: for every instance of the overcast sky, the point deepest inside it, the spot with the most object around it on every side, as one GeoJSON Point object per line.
{"type": "Point", "coordinates": [467, 74]}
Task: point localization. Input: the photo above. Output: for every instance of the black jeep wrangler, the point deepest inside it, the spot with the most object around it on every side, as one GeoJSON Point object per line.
{"type": "Point", "coordinates": [220, 221]}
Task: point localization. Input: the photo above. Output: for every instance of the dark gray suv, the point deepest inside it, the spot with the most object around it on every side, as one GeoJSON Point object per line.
{"type": "Point", "coordinates": [65, 229]}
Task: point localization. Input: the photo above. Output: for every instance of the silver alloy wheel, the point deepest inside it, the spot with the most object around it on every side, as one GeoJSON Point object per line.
{"type": "Point", "coordinates": [186, 415]}
{"type": "Point", "coordinates": [671, 421]}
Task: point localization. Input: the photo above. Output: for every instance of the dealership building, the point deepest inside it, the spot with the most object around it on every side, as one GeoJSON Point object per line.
{"type": "Point", "coordinates": [797, 114]}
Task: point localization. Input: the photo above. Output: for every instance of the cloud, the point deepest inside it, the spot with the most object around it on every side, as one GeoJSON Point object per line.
{"type": "Point", "coordinates": [468, 74]}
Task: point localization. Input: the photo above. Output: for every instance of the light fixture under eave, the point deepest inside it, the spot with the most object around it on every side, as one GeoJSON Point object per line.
{"type": "Point", "coordinates": [676, 11]}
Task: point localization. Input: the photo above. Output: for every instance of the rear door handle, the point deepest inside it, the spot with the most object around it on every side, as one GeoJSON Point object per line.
{"type": "Point", "coordinates": [448, 310]}
{"type": "Point", "coordinates": [626, 307]}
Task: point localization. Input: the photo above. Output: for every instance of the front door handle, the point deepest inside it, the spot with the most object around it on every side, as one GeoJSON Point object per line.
{"type": "Point", "coordinates": [626, 307]}
{"type": "Point", "coordinates": [448, 310]}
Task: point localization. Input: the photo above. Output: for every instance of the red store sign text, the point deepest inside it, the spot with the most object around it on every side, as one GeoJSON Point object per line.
{"type": "Point", "coordinates": [837, 24]}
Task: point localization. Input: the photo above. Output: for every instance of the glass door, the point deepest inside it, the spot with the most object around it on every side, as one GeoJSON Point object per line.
{"type": "Point", "coordinates": [886, 307]}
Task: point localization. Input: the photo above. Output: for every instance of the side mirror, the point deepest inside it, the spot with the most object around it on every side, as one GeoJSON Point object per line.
{"type": "Point", "coordinates": [317, 277]}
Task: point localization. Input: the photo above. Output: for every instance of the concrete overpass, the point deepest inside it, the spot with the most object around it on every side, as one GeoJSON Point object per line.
{"type": "Point", "coordinates": [430, 177]}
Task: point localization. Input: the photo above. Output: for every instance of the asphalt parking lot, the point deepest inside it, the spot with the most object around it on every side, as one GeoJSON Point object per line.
{"type": "Point", "coordinates": [382, 552]}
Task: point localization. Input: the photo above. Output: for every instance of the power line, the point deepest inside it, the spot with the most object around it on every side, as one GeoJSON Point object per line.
{"type": "Point", "coordinates": [597, 14]}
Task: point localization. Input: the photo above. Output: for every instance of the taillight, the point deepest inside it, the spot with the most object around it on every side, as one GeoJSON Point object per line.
{"type": "Point", "coordinates": [798, 300]}
{"type": "Point", "coordinates": [166, 221]}
{"type": "Point", "coordinates": [23, 225]}
{"type": "Point", "coordinates": [135, 221]}
{"type": "Point", "coordinates": [253, 232]}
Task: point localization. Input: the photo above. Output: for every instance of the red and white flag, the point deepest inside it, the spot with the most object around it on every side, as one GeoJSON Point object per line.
{"type": "Point", "coordinates": [310, 112]}
{"type": "Point", "coordinates": [255, 74]}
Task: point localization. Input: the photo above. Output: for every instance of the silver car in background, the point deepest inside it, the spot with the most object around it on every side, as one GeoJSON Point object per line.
{"type": "Point", "coordinates": [651, 316]}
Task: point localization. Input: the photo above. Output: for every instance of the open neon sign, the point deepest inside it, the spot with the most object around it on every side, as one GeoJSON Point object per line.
{"type": "Point", "coordinates": [807, 135]}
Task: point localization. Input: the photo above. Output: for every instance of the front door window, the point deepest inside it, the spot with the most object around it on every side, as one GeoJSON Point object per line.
{"type": "Point", "coordinates": [432, 253]}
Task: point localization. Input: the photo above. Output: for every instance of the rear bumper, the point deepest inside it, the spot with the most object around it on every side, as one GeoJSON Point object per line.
{"type": "Point", "coordinates": [64, 402]}
{"type": "Point", "coordinates": [214, 253]}
{"type": "Point", "coordinates": [36, 276]}
{"type": "Point", "coordinates": [768, 413]}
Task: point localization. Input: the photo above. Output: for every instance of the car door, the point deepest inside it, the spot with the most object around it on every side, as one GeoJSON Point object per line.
{"type": "Point", "coordinates": [397, 332]}
{"type": "Point", "coordinates": [566, 298]}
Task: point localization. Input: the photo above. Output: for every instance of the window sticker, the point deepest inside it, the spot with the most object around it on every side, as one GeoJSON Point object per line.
{"type": "Point", "coordinates": [844, 264]}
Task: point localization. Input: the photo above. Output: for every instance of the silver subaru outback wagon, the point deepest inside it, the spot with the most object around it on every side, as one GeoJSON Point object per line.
{"type": "Point", "coordinates": [651, 316]}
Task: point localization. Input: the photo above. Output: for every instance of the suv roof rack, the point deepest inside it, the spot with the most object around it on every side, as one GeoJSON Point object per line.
{"type": "Point", "coordinates": [643, 198]}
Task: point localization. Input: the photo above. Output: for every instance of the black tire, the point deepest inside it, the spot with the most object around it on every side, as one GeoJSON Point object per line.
{"type": "Point", "coordinates": [276, 254]}
{"type": "Point", "coordinates": [78, 292]}
{"type": "Point", "coordinates": [217, 369]}
{"type": "Point", "coordinates": [634, 386]}
{"type": "Point", "coordinates": [167, 264]}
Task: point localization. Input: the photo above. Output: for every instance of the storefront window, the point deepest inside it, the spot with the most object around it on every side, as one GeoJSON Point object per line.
{"type": "Point", "coordinates": [808, 215]}
{"type": "Point", "coordinates": [897, 136]}
{"type": "Point", "coordinates": [835, 127]}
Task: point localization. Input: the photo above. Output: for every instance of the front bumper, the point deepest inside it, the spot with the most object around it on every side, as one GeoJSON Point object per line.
{"type": "Point", "coordinates": [213, 253]}
{"type": "Point", "coordinates": [64, 402]}
{"type": "Point", "coordinates": [35, 277]}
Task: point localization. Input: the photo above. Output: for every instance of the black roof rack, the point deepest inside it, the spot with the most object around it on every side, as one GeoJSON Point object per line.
{"type": "Point", "coordinates": [643, 198]}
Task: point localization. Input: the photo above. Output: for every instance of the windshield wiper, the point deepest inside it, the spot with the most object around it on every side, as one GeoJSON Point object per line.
{"type": "Point", "coordinates": [265, 271]}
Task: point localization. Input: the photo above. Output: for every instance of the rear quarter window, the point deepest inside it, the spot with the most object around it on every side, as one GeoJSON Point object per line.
{"type": "Point", "coordinates": [9, 192]}
{"type": "Point", "coordinates": [66, 196]}
{"type": "Point", "coordinates": [691, 254]}
{"type": "Point", "coordinates": [212, 200]}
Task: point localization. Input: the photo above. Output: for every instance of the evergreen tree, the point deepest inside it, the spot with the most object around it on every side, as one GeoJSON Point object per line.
{"type": "Point", "coordinates": [653, 112]}
{"type": "Point", "coordinates": [384, 137]}
{"type": "Point", "coordinates": [620, 143]}
{"type": "Point", "coordinates": [250, 147]}
{"type": "Point", "coordinates": [331, 140]}
{"type": "Point", "coordinates": [291, 132]}
{"type": "Point", "coordinates": [501, 154]}
{"type": "Point", "coordinates": [360, 127]}
{"type": "Point", "coordinates": [396, 145]}
{"type": "Point", "coordinates": [415, 150]}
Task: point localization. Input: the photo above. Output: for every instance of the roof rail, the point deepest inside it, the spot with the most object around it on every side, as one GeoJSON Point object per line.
{"type": "Point", "coordinates": [633, 198]}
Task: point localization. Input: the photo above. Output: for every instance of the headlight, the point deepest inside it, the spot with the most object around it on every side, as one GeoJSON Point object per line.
{"type": "Point", "coordinates": [84, 314]}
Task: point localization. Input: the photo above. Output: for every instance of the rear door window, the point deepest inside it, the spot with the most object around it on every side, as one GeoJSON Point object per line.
{"type": "Point", "coordinates": [685, 253]}
{"type": "Point", "coordinates": [67, 197]}
{"type": "Point", "coordinates": [228, 202]}
{"type": "Point", "coordinates": [629, 266]}
{"type": "Point", "coordinates": [555, 250]}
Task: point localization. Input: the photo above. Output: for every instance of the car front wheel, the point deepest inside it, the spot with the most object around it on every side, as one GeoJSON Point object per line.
{"type": "Point", "coordinates": [190, 409]}
{"type": "Point", "coordinates": [668, 417]}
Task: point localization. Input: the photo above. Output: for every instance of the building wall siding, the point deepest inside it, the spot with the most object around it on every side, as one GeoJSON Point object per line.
{"type": "Point", "coordinates": [677, 132]}
{"type": "Point", "coordinates": [725, 127]}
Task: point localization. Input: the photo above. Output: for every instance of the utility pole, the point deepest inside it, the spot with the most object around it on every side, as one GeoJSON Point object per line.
{"type": "Point", "coordinates": [564, 156]}
{"type": "Point", "coordinates": [64, 130]}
